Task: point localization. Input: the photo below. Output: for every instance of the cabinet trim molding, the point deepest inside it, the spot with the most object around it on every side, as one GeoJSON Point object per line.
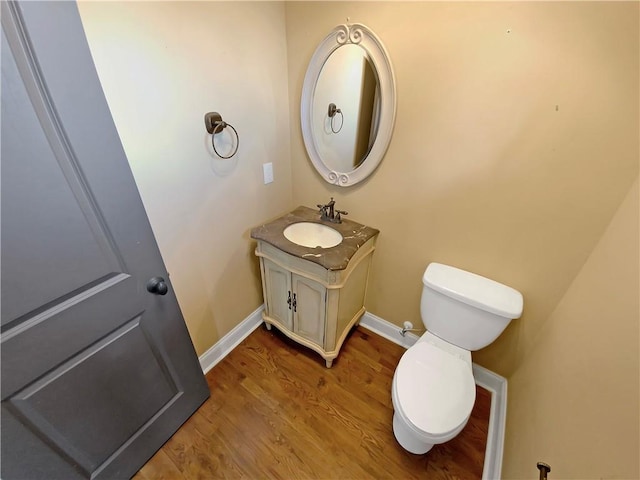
{"type": "Point", "coordinates": [329, 286]}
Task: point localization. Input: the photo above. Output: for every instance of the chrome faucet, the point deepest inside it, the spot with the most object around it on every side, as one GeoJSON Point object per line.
{"type": "Point", "coordinates": [329, 213]}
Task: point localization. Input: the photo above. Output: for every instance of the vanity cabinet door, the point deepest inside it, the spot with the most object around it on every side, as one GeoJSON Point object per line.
{"type": "Point", "coordinates": [278, 301]}
{"type": "Point", "coordinates": [310, 309]}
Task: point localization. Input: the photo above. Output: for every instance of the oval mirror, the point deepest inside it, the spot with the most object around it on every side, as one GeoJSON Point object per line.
{"type": "Point", "coordinates": [348, 105]}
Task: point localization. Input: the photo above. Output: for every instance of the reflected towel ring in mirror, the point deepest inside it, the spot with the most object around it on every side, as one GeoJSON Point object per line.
{"type": "Point", "coordinates": [332, 115]}
{"type": "Point", "coordinates": [214, 124]}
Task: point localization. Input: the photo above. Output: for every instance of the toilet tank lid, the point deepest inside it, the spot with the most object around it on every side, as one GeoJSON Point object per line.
{"type": "Point", "coordinates": [474, 290]}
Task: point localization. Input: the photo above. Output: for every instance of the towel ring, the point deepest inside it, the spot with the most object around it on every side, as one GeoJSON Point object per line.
{"type": "Point", "coordinates": [331, 111]}
{"type": "Point", "coordinates": [214, 125]}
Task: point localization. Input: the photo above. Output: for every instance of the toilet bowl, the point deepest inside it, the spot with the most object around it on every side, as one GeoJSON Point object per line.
{"type": "Point", "coordinates": [433, 389]}
{"type": "Point", "coordinates": [435, 408]}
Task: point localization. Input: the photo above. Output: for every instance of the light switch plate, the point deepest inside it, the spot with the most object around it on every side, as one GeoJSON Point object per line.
{"type": "Point", "coordinates": [267, 172]}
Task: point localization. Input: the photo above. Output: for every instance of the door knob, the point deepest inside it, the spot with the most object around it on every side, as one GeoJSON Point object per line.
{"type": "Point", "coordinates": [157, 285]}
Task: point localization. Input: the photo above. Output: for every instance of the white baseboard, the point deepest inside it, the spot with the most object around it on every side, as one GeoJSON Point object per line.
{"type": "Point", "coordinates": [497, 385]}
{"type": "Point", "coordinates": [222, 347]}
{"type": "Point", "coordinates": [488, 380]}
{"type": "Point", "coordinates": [387, 330]}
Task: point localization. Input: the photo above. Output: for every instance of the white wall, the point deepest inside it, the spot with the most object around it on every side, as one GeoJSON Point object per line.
{"type": "Point", "coordinates": [163, 65]}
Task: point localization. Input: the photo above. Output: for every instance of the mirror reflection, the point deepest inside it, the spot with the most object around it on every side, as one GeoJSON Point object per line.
{"type": "Point", "coordinates": [346, 108]}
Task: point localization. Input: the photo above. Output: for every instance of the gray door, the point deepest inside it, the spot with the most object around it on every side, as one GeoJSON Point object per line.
{"type": "Point", "coordinates": [97, 372]}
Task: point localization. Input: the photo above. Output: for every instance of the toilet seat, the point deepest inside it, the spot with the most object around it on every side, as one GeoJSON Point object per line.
{"type": "Point", "coordinates": [435, 390]}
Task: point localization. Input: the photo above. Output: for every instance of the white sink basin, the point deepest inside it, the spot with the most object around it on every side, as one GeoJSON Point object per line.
{"type": "Point", "coordinates": [309, 234]}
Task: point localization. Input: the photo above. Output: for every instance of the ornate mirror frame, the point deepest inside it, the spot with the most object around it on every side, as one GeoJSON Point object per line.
{"type": "Point", "coordinates": [361, 35]}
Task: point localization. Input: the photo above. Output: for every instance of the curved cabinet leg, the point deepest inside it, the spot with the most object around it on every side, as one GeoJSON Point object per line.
{"type": "Point", "coordinates": [329, 362]}
{"type": "Point", "coordinates": [268, 325]}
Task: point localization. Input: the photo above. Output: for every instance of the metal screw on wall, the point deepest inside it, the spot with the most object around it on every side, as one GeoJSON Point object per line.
{"type": "Point", "coordinates": [544, 470]}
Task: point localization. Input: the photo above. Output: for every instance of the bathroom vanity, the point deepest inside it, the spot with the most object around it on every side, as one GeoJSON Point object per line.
{"type": "Point", "coordinates": [314, 295]}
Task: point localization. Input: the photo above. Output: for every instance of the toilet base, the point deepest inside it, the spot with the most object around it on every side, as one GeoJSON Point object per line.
{"type": "Point", "coordinates": [407, 439]}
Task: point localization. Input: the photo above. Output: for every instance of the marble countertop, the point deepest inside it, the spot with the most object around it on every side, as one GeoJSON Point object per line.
{"type": "Point", "coordinates": [354, 235]}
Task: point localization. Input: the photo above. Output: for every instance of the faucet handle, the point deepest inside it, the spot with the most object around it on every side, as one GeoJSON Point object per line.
{"type": "Point", "coordinates": [338, 219]}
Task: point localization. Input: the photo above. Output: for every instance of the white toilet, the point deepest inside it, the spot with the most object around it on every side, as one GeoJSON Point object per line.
{"type": "Point", "coordinates": [433, 388]}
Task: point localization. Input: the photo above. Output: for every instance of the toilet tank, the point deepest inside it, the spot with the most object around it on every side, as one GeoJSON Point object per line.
{"type": "Point", "coordinates": [466, 309]}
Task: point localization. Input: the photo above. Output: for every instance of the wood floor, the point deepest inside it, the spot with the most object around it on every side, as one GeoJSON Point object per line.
{"type": "Point", "coordinates": [276, 412]}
